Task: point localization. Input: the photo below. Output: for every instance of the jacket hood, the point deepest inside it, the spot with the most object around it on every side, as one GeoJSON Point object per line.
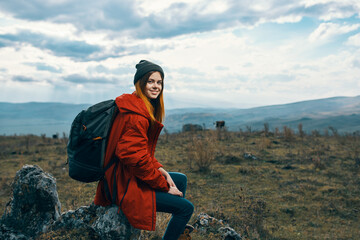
{"type": "Point", "coordinates": [131, 103]}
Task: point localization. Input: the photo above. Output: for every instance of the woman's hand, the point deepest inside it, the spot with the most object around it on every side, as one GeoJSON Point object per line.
{"type": "Point", "coordinates": [167, 177]}
{"type": "Point", "coordinates": [175, 191]}
{"type": "Point", "coordinates": [170, 181]}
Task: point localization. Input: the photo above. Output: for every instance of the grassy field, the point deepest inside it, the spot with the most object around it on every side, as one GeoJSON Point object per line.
{"type": "Point", "coordinates": [266, 185]}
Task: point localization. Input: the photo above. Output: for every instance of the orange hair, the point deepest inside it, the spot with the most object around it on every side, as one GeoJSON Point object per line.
{"type": "Point", "coordinates": [155, 107]}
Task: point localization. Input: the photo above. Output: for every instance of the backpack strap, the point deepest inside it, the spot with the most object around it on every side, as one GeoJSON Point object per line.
{"type": "Point", "coordinates": [106, 188]}
{"type": "Point", "coordinates": [112, 161]}
{"type": "Point", "coordinates": [114, 185]}
{"type": "Point", "coordinates": [106, 184]}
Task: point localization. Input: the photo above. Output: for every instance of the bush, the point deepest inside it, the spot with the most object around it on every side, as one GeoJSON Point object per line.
{"type": "Point", "coordinates": [301, 131]}
{"type": "Point", "coordinates": [202, 151]}
{"type": "Point", "coordinates": [288, 134]}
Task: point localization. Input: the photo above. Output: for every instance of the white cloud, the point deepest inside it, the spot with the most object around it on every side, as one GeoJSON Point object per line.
{"type": "Point", "coordinates": [288, 19]}
{"type": "Point", "coordinates": [354, 40]}
{"type": "Point", "coordinates": [327, 30]}
{"type": "Point", "coordinates": [194, 41]}
{"type": "Point", "coordinates": [12, 25]}
{"type": "Point", "coordinates": [334, 9]}
{"type": "Point", "coordinates": [148, 7]}
{"type": "Point", "coordinates": [215, 7]}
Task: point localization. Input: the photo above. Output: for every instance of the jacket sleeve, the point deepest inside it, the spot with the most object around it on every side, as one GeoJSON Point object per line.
{"type": "Point", "coordinates": [132, 151]}
{"type": "Point", "coordinates": [156, 163]}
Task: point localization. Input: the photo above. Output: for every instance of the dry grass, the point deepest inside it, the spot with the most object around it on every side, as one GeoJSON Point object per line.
{"type": "Point", "coordinates": [202, 150]}
{"type": "Point", "coordinates": [302, 187]}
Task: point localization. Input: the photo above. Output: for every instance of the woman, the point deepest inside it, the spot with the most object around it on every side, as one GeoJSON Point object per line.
{"type": "Point", "coordinates": [137, 182]}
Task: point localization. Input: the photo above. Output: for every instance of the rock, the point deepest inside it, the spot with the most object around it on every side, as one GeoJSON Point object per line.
{"type": "Point", "coordinates": [249, 155]}
{"type": "Point", "coordinates": [98, 222]}
{"type": "Point", "coordinates": [35, 203]}
{"type": "Point", "coordinates": [10, 234]}
{"type": "Point", "coordinates": [229, 234]}
{"type": "Point", "coordinates": [112, 225]}
{"type": "Point", "coordinates": [34, 212]}
{"type": "Point", "coordinates": [207, 224]}
{"type": "Point", "coordinates": [74, 223]}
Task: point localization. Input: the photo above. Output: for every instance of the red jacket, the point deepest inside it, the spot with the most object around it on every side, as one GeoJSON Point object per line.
{"type": "Point", "coordinates": [133, 142]}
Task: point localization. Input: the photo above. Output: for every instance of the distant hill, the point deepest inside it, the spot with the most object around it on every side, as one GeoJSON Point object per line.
{"type": "Point", "coordinates": [37, 118]}
{"type": "Point", "coordinates": [342, 113]}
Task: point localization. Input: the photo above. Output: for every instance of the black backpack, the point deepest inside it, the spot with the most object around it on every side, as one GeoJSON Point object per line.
{"type": "Point", "coordinates": [88, 140]}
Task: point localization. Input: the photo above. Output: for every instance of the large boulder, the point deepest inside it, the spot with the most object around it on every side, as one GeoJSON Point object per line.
{"type": "Point", "coordinates": [35, 203]}
{"type": "Point", "coordinates": [34, 212]}
{"type": "Point", "coordinates": [11, 234]}
{"type": "Point", "coordinates": [92, 222]}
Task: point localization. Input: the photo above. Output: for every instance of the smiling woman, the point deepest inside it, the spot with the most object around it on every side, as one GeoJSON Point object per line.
{"type": "Point", "coordinates": [153, 85]}
{"type": "Point", "coordinates": [137, 182]}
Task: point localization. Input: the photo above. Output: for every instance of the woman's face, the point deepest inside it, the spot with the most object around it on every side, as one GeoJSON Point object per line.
{"type": "Point", "coordinates": [153, 85]}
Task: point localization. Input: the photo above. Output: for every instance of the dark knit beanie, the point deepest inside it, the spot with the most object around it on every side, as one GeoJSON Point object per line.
{"type": "Point", "coordinates": [143, 67]}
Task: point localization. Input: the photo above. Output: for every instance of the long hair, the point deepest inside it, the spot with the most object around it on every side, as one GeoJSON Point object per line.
{"type": "Point", "coordinates": [154, 106]}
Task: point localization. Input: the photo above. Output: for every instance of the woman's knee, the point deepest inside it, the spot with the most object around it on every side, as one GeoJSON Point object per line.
{"type": "Point", "coordinates": [178, 177]}
{"type": "Point", "coordinates": [188, 208]}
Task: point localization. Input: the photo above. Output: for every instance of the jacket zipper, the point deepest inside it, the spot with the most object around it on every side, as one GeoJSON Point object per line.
{"type": "Point", "coordinates": [155, 141]}
{"type": "Point", "coordinates": [152, 220]}
{"type": "Point", "coordinates": [126, 189]}
{"type": "Point", "coordinates": [152, 154]}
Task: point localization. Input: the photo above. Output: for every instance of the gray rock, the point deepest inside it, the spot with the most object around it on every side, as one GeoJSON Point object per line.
{"type": "Point", "coordinates": [207, 224]}
{"type": "Point", "coordinates": [98, 222]}
{"type": "Point", "coordinates": [107, 225]}
{"type": "Point", "coordinates": [10, 234]}
{"type": "Point", "coordinates": [248, 155]}
{"type": "Point", "coordinates": [34, 212]}
{"type": "Point", "coordinates": [229, 234]}
{"type": "Point", "coordinates": [80, 218]}
{"type": "Point", "coordinates": [35, 203]}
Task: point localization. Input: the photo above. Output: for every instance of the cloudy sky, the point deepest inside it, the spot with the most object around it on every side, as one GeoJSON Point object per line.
{"type": "Point", "coordinates": [215, 53]}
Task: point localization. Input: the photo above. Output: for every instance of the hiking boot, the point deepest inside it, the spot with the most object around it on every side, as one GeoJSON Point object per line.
{"type": "Point", "coordinates": [188, 229]}
{"type": "Point", "coordinates": [184, 237]}
{"type": "Point", "coordinates": [186, 234]}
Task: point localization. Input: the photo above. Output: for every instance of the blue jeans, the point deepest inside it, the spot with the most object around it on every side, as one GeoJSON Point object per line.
{"type": "Point", "coordinates": [180, 208]}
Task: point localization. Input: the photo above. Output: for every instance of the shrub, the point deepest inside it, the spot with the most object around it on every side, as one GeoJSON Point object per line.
{"type": "Point", "coordinates": [315, 133]}
{"type": "Point", "coordinates": [266, 129]}
{"type": "Point", "coordinates": [301, 131]}
{"type": "Point", "coordinates": [288, 134]}
{"type": "Point", "coordinates": [202, 150]}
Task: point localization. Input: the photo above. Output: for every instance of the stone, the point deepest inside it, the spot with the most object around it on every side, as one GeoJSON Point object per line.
{"type": "Point", "coordinates": [35, 203]}
{"type": "Point", "coordinates": [250, 156]}
{"type": "Point", "coordinates": [229, 233]}
{"type": "Point", "coordinates": [205, 223]}
{"type": "Point", "coordinates": [10, 234]}
{"type": "Point", "coordinates": [98, 222]}
{"type": "Point", "coordinates": [34, 213]}
{"type": "Point", "coordinates": [107, 224]}
{"type": "Point", "coordinates": [210, 225]}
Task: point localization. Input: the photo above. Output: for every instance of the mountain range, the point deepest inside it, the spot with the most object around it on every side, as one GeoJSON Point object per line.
{"type": "Point", "coordinates": [341, 113]}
